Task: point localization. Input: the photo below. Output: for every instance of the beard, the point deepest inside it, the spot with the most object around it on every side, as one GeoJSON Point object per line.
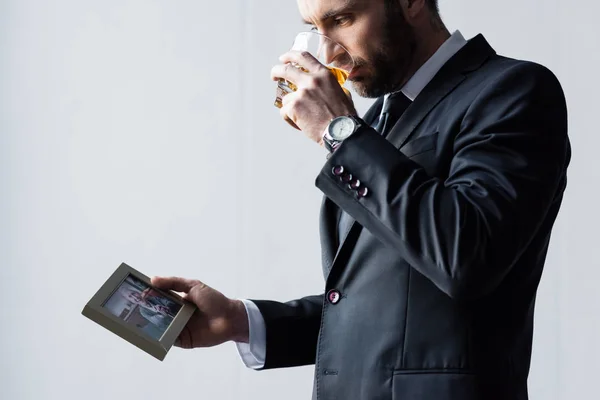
{"type": "Point", "coordinates": [390, 61]}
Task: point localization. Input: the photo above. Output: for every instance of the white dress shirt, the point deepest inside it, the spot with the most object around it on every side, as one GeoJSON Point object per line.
{"type": "Point", "coordinates": [253, 353]}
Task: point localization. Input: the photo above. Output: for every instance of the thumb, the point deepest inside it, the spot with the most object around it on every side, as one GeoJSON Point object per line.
{"type": "Point", "coordinates": [174, 283]}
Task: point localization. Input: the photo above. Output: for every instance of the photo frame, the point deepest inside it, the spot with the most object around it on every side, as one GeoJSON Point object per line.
{"type": "Point", "coordinates": [129, 306]}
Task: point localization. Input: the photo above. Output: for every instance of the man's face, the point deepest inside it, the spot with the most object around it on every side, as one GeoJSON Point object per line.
{"type": "Point", "coordinates": [375, 34]}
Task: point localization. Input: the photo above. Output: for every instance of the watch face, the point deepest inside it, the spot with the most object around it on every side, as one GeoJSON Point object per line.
{"type": "Point", "coordinates": [341, 128]}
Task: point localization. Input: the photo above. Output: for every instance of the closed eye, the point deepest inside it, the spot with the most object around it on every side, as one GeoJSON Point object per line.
{"type": "Point", "coordinates": [341, 21]}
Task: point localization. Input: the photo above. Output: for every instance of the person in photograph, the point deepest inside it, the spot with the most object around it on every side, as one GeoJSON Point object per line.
{"type": "Point", "coordinates": [154, 297]}
{"type": "Point", "coordinates": [150, 303]}
{"type": "Point", "coordinates": [159, 320]}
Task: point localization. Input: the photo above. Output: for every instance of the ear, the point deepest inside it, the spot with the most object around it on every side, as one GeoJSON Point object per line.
{"type": "Point", "coordinates": [413, 8]}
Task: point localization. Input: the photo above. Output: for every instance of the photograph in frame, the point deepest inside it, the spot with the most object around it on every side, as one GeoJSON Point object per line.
{"type": "Point", "coordinates": [130, 307]}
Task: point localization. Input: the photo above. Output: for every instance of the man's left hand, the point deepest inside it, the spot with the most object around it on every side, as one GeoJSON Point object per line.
{"type": "Point", "coordinates": [319, 97]}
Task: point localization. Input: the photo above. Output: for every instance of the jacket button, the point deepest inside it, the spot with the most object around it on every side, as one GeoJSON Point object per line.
{"type": "Point", "coordinates": [334, 296]}
{"type": "Point", "coordinates": [362, 191]}
{"type": "Point", "coordinates": [338, 170]}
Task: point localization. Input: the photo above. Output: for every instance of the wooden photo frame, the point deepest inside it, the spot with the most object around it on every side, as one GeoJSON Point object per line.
{"type": "Point", "coordinates": [129, 306]}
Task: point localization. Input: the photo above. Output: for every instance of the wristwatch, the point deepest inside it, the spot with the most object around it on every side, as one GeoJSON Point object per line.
{"type": "Point", "coordinates": [340, 129]}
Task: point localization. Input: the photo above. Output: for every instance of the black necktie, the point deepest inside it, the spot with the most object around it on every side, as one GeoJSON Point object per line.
{"type": "Point", "coordinates": [392, 110]}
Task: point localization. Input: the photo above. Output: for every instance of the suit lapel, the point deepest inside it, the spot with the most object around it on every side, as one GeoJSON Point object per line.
{"type": "Point", "coordinates": [373, 112]}
{"type": "Point", "coordinates": [327, 231]}
{"type": "Point", "coordinates": [468, 59]}
{"type": "Point", "coordinates": [416, 112]}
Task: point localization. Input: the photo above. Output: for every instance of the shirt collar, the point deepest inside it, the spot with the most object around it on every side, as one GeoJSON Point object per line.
{"type": "Point", "coordinates": [427, 71]}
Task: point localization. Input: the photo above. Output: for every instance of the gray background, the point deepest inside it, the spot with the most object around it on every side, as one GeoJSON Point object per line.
{"type": "Point", "coordinates": [143, 131]}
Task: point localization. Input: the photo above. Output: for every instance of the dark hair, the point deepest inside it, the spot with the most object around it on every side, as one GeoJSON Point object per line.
{"type": "Point", "coordinates": [432, 4]}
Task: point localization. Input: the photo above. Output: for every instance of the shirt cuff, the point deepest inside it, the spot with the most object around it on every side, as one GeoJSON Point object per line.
{"type": "Point", "coordinates": [253, 353]}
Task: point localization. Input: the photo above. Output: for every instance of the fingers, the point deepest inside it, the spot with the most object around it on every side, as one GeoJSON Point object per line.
{"type": "Point", "coordinates": [303, 58]}
{"type": "Point", "coordinates": [180, 294]}
{"type": "Point", "coordinates": [297, 67]}
{"type": "Point", "coordinates": [290, 74]}
{"type": "Point", "coordinates": [286, 109]}
{"type": "Point", "coordinates": [348, 93]}
{"type": "Point", "coordinates": [176, 284]}
{"type": "Point", "coordinates": [184, 340]}
{"type": "Point", "coordinates": [290, 122]}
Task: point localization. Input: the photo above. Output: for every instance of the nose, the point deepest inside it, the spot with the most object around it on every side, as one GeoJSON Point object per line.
{"type": "Point", "coordinates": [334, 54]}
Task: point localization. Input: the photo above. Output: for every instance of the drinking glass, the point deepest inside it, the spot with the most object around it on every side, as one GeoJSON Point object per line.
{"type": "Point", "coordinates": [328, 52]}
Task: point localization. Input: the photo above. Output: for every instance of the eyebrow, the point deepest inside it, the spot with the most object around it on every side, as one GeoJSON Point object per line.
{"type": "Point", "coordinates": [348, 5]}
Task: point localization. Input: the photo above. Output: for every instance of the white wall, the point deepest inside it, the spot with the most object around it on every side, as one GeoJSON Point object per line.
{"type": "Point", "coordinates": [144, 132]}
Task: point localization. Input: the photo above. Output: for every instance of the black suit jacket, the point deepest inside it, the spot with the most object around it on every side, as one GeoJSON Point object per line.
{"type": "Point", "coordinates": [439, 271]}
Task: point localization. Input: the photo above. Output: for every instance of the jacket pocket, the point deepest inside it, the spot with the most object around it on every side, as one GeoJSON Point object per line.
{"type": "Point", "coordinates": [426, 385]}
{"type": "Point", "coordinates": [420, 145]}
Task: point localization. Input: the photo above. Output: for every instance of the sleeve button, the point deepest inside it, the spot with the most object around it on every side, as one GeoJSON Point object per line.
{"type": "Point", "coordinates": [346, 178]}
{"type": "Point", "coordinates": [354, 184]}
{"type": "Point", "coordinates": [338, 170]}
{"type": "Point", "coordinates": [362, 192]}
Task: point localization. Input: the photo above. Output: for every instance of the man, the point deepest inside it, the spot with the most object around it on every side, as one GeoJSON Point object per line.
{"type": "Point", "coordinates": [436, 218]}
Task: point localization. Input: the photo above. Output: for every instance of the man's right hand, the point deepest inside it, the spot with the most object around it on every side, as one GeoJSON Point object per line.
{"type": "Point", "coordinates": [217, 320]}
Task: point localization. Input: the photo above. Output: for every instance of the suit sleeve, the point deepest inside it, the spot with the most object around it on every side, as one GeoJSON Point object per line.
{"type": "Point", "coordinates": [465, 232]}
{"type": "Point", "coordinates": [292, 331]}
